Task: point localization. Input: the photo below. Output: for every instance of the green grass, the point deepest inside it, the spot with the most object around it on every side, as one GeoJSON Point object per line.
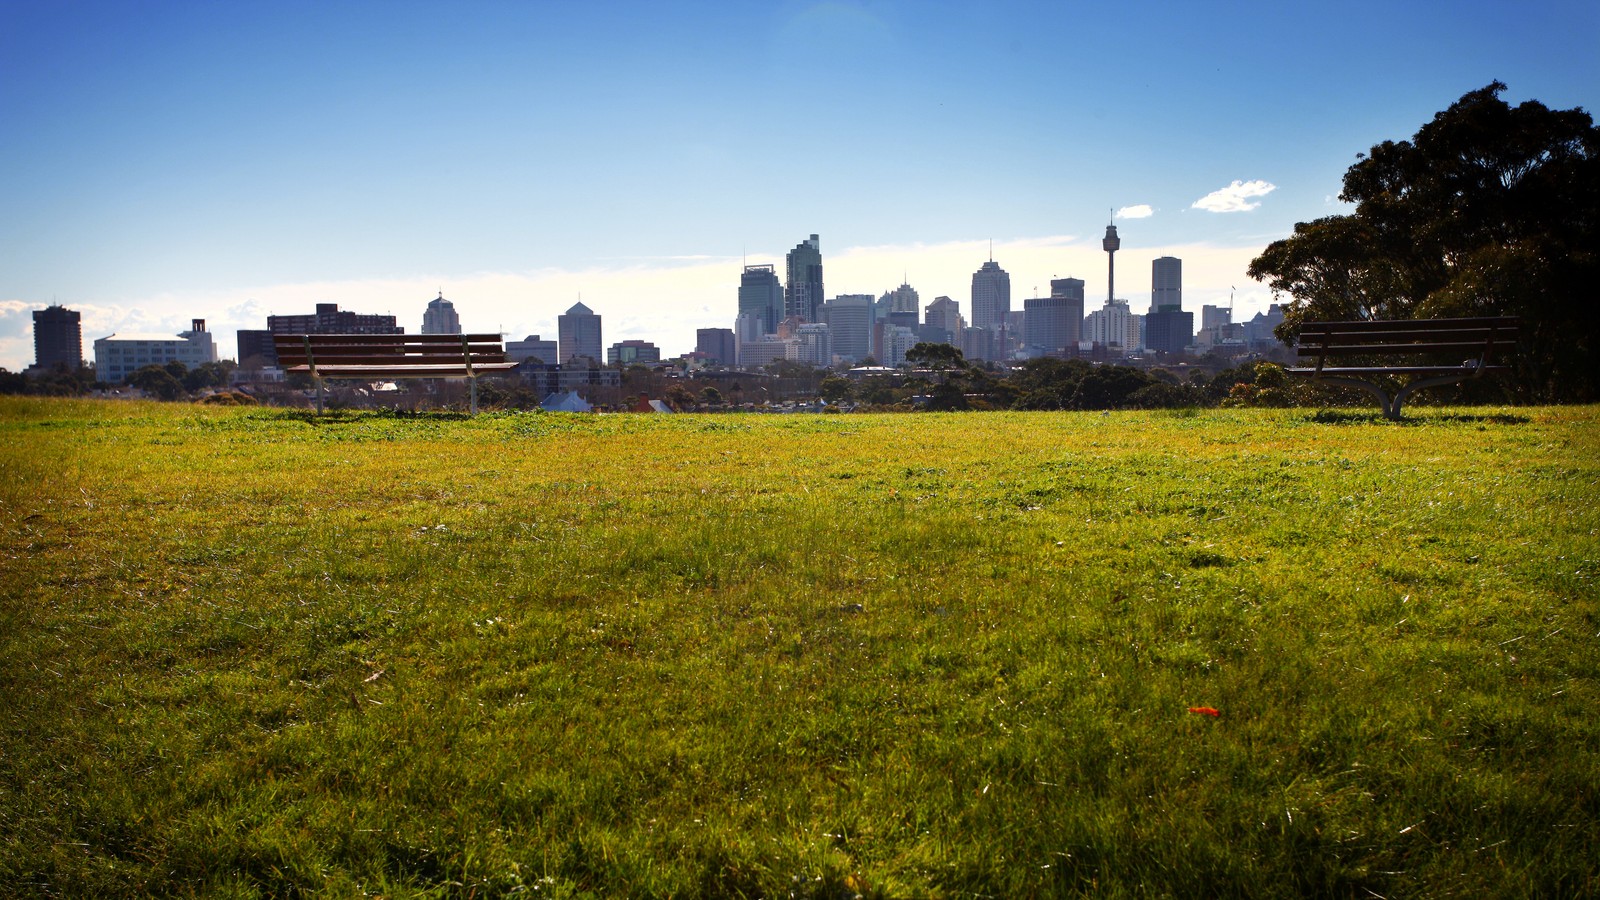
{"type": "Point", "coordinates": [254, 653]}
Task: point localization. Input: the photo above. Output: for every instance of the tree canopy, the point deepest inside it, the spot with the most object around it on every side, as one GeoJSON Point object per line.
{"type": "Point", "coordinates": [1489, 209]}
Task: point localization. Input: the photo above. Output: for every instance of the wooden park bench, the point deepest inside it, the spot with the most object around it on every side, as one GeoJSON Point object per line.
{"type": "Point", "coordinates": [1470, 344]}
{"type": "Point", "coordinates": [382, 357]}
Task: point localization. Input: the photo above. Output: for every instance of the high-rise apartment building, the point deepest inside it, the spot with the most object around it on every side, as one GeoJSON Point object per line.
{"type": "Point", "coordinates": [761, 295]}
{"type": "Point", "coordinates": [440, 317]}
{"type": "Point", "coordinates": [256, 350]}
{"type": "Point", "coordinates": [897, 341]}
{"type": "Point", "coordinates": [578, 330]}
{"type": "Point", "coordinates": [1166, 283]}
{"type": "Point", "coordinates": [1113, 326]}
{"type": "Point", "coordinates": [803, 285]}
{"type": "Point", "coordinates": [57, 338]}
{"type": "Point", "coordinates": [816, 344]}
{"type": "Point", "coordinates": [328, 319]}
{"type": "Point", "coordinates": [991, 296]}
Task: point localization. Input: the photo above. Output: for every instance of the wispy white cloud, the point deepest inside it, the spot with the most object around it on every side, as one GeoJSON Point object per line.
{"type": "Point", "coordinates": [1236, 197]}
{"type": "Point", "coordinates": [1137, 211]}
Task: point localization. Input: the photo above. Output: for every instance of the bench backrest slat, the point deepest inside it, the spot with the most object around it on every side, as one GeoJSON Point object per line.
{"type": "Point", "coordinates": [392, 350]}
{"type": "Point", "coordinates": [1393, 337]}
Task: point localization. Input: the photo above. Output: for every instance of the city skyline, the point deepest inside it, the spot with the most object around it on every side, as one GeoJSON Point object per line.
{"type": "Point", "coordinates": [174, 161]}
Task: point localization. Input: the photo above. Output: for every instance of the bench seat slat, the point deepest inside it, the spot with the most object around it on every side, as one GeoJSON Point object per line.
{"type": "Point", "coordinates": [345, 359]}
{"type": "Point", "coordinates": [449, 340]}
{"type": "Point", "coordinates": [1415, 325]}
{"type": "Point", "coordinates": [1475, 347]}
{"type": "Point", "coordinates": [1395, 370]}
{"type": "Point", "coordinates": [431, 370]}
{"type": "Point", "coordinates": [1406, 337]}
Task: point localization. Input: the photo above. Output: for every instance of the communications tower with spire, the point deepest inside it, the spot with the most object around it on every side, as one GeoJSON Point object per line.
{"type": "Point", "coordinates": [1112, 244]}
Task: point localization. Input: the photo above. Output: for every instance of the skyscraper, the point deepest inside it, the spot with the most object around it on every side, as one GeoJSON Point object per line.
{"type": "Point", "coordinates": [57, 338]}
{"type": "Point", "coordinates": [1169, 331]}
{"type": "Point", "coordinates": [1055, 323]}
{"type": "Point", "coordinates": [803, 285]}
{"type": "Point", "coordinates": [942, 322]}
{"type": "Point", "coordinates": [1166, 283]}
{"type": "Point", "coordinates": [991, 296]}
{"type": "Point", "coordinates": [578, 330]}
{"type": "Point", "coordinates": [1070, 290]}
{"type": "Point", "coordinates": [944, 313]}
{"type": "Point", "coordinates": [761, 295]}
{"type": "Point", "coordinates": [904, 299]}
{"type": "Point", "coordinates": [717, 344]}
{"type": "Point", "coordinates": [849, 318]}
{"type": "Point", "coordinates": [1112, 244]}
{"type": "Point", "coordinates": [441, 317]}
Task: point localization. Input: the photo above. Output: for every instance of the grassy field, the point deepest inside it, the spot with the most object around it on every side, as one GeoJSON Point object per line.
{"type": "Point", "coordinates": [254, 653]}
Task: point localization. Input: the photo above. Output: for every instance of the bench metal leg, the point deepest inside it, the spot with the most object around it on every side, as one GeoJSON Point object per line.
{"type": "Point", "coordinates": [1414, 386]}
{"type": "Point", "coordinates": [1391, 405]}
{"type": "Point", "coordinates": [1391, 409]}
{"type": "Point", "coordinates": [474, 383]}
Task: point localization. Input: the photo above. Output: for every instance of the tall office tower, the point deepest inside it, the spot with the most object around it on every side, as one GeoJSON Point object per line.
{"type": "Point", "coordinates": [57, 338]}
{"type": "Point", "coordinates": [441, 317]}
{"type": "Point", "coordinates": [1166, 283]}
{"type": "Point", "coordinates": [532, 347]}
{"type": "Point", "coordinates": [717, 344]}
{"type": "Point", "coordinates": [991, 296]}
{"type": "Point", "coordinates": [803, 285]}
{"type": "Point", "coordinates": [849, 318]}
{"type": "Point", "coordinates": [904, 299]}
{"type": "Point", "coordinates": [633, 351]}
{"type": "Point", "coordinates": [944, 314]}
{"type": "Point", "coordinates": [256, 351]}
{"type": "Point", "coordinates": [761, 295]}
{"type": "Point", "coordinates": [1170, 330]}
{"type": "Point", "coordinates": [1112, 244]}
{"type": "Point", "coordinates": [578, 330]}
{"type": "Point", "coordinates": [1053, 324]}
{"type": "Point", "coordinates": [1070, 290]}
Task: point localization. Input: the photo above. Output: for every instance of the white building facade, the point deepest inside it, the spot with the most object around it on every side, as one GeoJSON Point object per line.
{"type": "Point", "coordinates": [119, 355]}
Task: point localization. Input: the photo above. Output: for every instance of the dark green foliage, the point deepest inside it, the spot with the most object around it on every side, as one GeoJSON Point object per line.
{"type": "Point", "coordinates": [206, 375]}
{"type": "Point", "coordinates": [1488, 210]}
{"type": "Point", "coordinates": [834, 389]}
{"type": "Point", "coordinates": [158, 381]}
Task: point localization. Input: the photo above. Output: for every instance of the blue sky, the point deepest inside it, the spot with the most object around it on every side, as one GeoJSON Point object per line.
{"type": "Point", "coordinates": [166, 161]}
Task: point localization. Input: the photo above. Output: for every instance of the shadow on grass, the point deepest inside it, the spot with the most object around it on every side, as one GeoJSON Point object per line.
{"type": "Point", "coordinates": [1374, 417]}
